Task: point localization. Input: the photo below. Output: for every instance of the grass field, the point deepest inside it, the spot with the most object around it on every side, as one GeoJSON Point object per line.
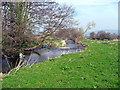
{"type": "Point", "coordinates": [96, 67]}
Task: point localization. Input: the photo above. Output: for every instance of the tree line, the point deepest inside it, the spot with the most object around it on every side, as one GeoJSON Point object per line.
{"type": "Point", "coordinates": [102, 35]}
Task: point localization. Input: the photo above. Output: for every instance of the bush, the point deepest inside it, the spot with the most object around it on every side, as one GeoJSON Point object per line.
{"type": "Point", "coordinates": [70, 33]}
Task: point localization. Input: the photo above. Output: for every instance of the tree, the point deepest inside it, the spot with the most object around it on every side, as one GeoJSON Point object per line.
{"type": "Point", "coordinates": [15, 26]}
{"type": "Point", "coordinates": [101, 35]}
{"type": "Point", "coordinates": [70, 33]}
{"type": "Point", "coordinates": [113, 36]}
{"type": "Point", "coordinates": [50, 17]}
{"type": "Point", "coordinates": [76, 34]}
{"type": "Point", "coordinates": [92, 35]}
{"type": "Point", "coordinates": [22, 20]}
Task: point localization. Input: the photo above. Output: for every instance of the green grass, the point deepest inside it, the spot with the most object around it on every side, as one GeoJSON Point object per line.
{"type": "Point", "coordinates": [96, 67]}
{"type": "Point", "coordinates": [0, 84]}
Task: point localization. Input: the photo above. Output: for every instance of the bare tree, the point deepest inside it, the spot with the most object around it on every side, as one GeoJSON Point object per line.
{"type": "Point", "coordinates": [22, 20]}
{"type": "Point", "coordinates": [50, 17]}
{"type": "Point", "coordinates": [76, 34]}
{"type": "Point", "coordinates": [15, 25]}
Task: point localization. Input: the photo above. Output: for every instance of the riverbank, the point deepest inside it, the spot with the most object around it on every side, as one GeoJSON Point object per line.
{"type": "Point", "coordinates": [96, 67]}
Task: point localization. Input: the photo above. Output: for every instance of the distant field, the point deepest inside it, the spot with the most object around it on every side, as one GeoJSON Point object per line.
{"type": "Point", "coordinates": [96, 67]}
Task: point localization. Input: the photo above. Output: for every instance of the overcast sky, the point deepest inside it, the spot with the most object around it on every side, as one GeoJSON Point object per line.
{"type": "Point", "coordinates": [103, 12]}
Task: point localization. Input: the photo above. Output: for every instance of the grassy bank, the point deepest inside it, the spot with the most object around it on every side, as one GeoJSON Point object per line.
{"type": "Point", "coordinates": [96, 67]}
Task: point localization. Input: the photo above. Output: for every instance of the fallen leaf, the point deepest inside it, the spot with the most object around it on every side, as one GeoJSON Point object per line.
{"type": "Point", "coordinates": [59, 81]}
{"type": "Point", "coordinates": [69, 60]}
